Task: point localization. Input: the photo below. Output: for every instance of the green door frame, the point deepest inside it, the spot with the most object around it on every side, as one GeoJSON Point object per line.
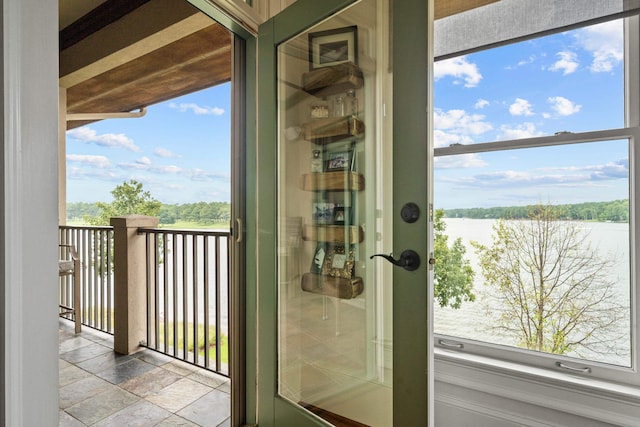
{"type": "Point", "coordinates": [242, 295]}
{"type": "Point", "coordinates": [412, 150]}
{"type": "Point", "coordinates": [412, 160]}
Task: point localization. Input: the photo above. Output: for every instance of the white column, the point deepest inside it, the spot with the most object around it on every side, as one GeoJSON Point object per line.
{"type": "Point", "coordinates": [29, 212]}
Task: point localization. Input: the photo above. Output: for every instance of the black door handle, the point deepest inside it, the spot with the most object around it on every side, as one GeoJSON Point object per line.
{"type": "Point", "coordinates": [409, 260]}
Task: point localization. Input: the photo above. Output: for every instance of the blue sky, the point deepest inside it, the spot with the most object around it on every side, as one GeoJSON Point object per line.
{"type": "Point", "coordinates": [570, 81]}
{"type": "Point", "coordinates": [180, 151]}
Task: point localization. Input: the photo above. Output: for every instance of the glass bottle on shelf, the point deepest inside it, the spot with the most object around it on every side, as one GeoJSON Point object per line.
{"type": "Point", "coordinates": [316, 161]}
{"type": "Point", "coordinates": [339, 107]}
{"type": "Point", "coordinates": [351, 103]}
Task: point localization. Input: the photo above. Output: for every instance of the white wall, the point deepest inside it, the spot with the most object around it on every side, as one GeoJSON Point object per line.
{"type": "Point", "coordinates": [28, 207]}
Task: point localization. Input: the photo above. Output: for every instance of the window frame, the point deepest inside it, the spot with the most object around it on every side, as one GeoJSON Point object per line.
{"type": "Point", "coordinates": [452, 349]}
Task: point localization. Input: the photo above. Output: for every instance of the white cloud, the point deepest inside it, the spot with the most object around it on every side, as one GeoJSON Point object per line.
{"type": "Point", "coordinates": [571, 177]}
{"type": "Point", "coordinates": [460, 122]}
{"type": "Point", "coordinates": [480, 104]}
{"type": "Point", "coordinates": [169, 169]}
{"type": "Point", "coordinates": [568, 63]}
{"type": "Point", "coordinates": [459, 68]}
{"type": "Point", "coordinates": [197, 109]}
{"type": "Point", "coordinates": [562, 106]}
{"type": "Point", "coordinates": [96, 161]}
{"type": "Point", "coordinates": [445, 139]}
{"type": "Point", "coordinates": [457, 127]}
{"type": "Point", "coordinates": [521, 107]}
{"type": "Point", "coordinates": [163, 152]}
{"type": "Point", "coordinates": [144, 161]}
{"type": "Point", "coordinates": [529, 60]}
{"type": "Point", "coordinates": [111, 140]}
{"type": "Point", "coordinates": [203, 175]}
{"type": "Point", "coordinates": [605, 43]}
{"type": "Point", "coordinates": [524, 130]}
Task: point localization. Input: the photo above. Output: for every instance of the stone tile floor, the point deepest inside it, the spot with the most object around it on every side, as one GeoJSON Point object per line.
{"type": "Point", "coordinates": [101, 388]}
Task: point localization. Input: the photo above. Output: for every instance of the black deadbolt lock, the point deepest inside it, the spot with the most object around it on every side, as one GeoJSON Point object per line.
{"type": "Point", "coordinates": [410, 212]}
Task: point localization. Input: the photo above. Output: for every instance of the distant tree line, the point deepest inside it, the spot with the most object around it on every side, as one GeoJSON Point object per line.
{"type": "Point", "coordinates": [130, 198]}
{"type": "Point", "coordinates": [200, 212]}
{"type": "Point", "coordinates": [615, 211]}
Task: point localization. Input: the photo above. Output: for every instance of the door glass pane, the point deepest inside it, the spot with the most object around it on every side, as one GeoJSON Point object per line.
{"type": "Point", "coordinates": [335, 343]}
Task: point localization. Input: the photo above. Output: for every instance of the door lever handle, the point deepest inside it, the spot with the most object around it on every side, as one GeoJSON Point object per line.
{"type": "Point", "coordinates": [409, 260]}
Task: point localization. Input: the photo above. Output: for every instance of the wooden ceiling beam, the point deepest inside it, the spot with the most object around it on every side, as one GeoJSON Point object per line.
{"type": "Point", "coordinates": [150, 26]}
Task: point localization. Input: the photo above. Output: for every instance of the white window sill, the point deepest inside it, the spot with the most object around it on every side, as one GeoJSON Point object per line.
{"type": "Point", "coordinates": [555, 390]}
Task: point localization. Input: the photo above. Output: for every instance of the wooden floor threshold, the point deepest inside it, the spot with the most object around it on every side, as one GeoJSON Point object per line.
{"type": "Point", "coordinates": [333, 418]}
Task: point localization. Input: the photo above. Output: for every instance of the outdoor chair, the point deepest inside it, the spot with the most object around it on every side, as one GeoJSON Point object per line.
{"type": "Point", "coordinates": [69, 269]}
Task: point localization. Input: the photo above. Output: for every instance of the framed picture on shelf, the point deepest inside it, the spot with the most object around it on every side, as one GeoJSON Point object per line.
{"type": "Point", "coordinates": [333, 47]}
{"type": "Point", "coordinates": [322, 212]}
{"type": "Point", "coordinates": [338, 161]}
{"type": "Point", "coordinates": [338, 262]}
{"type": "Point", "coordinates": [317, 263]}
{"type": "Point", "coordinates": [341, 215]}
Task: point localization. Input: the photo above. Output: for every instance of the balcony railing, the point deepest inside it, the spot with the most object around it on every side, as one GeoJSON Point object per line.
{"type": "Point", "coordinates": [187, 288]}
{"type": "Point", "coordinates": [95, 248]}
{"type": "Point", "coordinates": [187, 295]}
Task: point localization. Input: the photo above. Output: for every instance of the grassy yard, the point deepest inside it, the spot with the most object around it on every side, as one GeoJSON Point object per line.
{"type": "Point", "coordinates": [224, 349]}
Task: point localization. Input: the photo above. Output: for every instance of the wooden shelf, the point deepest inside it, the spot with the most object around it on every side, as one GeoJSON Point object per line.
{"type": "Point", "coordinates": [332, 181]}
{"type": "Point", "coordinates": [333, 233]}
{"type": "Point", "coordinates": [332, 286]}
{"type": "Point", "coordinates": [332, 80]}
{"type": "Point", "coordinates": [325, 131]}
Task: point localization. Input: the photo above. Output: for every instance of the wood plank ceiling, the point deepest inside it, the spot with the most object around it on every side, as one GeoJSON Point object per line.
{"type": "Point", "coordinates": [145, 65]}
{"type": "Point", "coordinates": [123, 55]}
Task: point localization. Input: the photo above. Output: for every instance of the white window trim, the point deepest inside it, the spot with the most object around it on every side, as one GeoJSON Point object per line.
{"type": "Point", "coordinates": [462, 378]}
{"type": "Point", "coordinates": [494, 363]}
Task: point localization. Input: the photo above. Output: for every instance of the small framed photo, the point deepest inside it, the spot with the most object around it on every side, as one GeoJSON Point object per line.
{"type": "Point", "coordinates": [341, 215]}
{"type": "Point", "coordinates": [338, 262]}
{"type": "Point", "coordinates": [317, 263]}
{"type": "Point", "coordinates": [333, 47]}
{"type": "Point", "coordinates": [323, 213]}
{"type": "Point", "coordinates": [338, 161]}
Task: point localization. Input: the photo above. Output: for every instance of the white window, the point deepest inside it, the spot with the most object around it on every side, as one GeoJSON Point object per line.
{"type": "Point", "coordinates": [536, 152]}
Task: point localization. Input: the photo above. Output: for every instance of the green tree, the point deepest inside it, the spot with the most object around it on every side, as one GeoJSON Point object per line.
{"type": "Point", "coordinates": [128, 198]}
{"type": "Point", "coordinates": [551, 291]}
{"type": "Point", "coordinates": [453, 275]}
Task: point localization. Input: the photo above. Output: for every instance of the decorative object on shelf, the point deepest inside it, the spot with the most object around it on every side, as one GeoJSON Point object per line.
{"type": "Point", "coordinates": [336, 287]}
{"type": "Point", "coordinates": [319, 256]}
{"type": "Point", "coordinates": [322, 213]}
{"type": "Point", "coordinates": [333, 47]}
{"type": "Point", "coordinates": [339, 107]}
{"type": "Point", "coordinates": [319, 110]}
{"type": "Point", "coordinates": [339, 160]}
{"type": "Point", "coordinates": [338, 262]}
{"type": "Point", "coordinates": [351, 103]}
{"type": "Point", "coordinates": [333, 80]}
{"type": "Point", "coordinates": [341, 215]}
{"type": "Point", "coordinates": [316, 161]}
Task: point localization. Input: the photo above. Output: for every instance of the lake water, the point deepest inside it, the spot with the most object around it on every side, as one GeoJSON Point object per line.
{"type": "Point", "coordinates": [470, 321]}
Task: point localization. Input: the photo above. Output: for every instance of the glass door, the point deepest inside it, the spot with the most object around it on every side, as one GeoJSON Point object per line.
{"type": "Point", "coordinates": [343, 219]}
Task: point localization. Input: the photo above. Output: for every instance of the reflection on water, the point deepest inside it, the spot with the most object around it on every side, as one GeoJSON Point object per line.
{"type": "Point", "coordinates": [470, 321]}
